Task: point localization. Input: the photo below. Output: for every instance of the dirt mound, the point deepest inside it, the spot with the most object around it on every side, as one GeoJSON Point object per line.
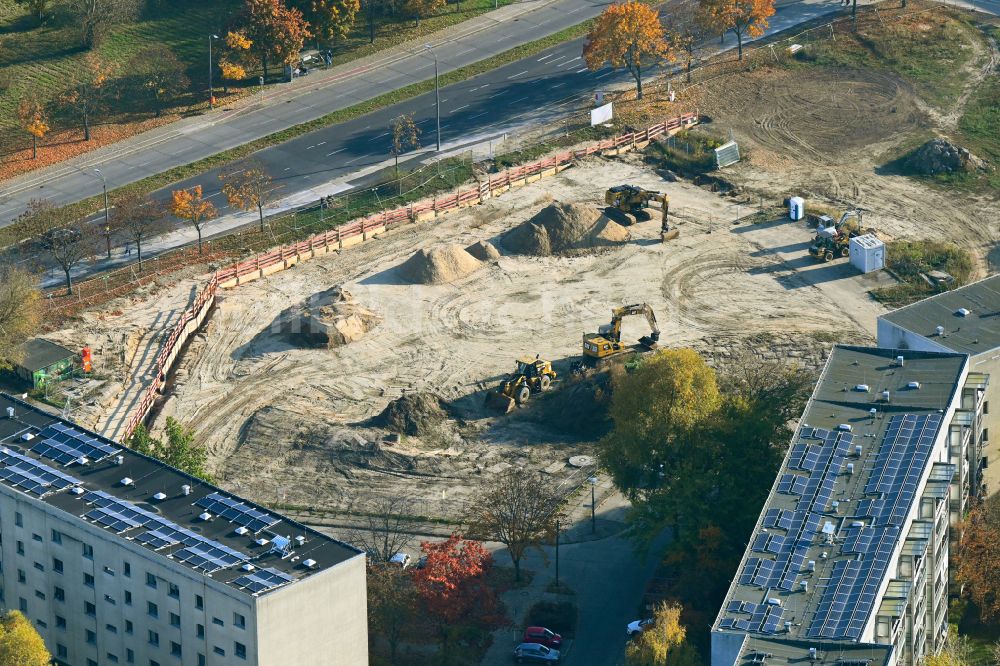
{"type": "Point", "coordinates": [484, 251]}
{"type": "Point", "coordinates": [328, 319]}
{"type": "Point", "coordinates": [561, 228]}
{"type": "Point", "coordinates": [941, 156]}
{"type": "Point", "coordinates": [441, 264]}
{"type": "Point", "coordinates": [412, 414]}
{"type": "Point", "coordinates": [579, 407]}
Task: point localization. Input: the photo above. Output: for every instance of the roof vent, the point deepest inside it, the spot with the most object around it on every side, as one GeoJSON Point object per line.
{"type": "Point", "coordinates": [186, 489]}
{"type": "Point", "coordinates": [242, 530]}
{"type": "Point", "coordinates": [850, 468]}
{"type": "Point", "coordinates": [248, 567]}
{"type": "Point", "coordinates": [771, 601]}
{"type": "Point", "coordinates": [823, 555]}
{"type": "Point", "coordinates": [77, 490]}
{"type": "Point", "coordinates": [900, 361]}
{"type": "Point", "coordinates": [10, 412]}
{"type": "Point", "coordinates": [300, 541]}
{"type": "Point", "coordinates": [962, 312]}
{"type": "Point", "coordinates": [811, 565]}
{"type": "Point", "coordinates": [788, 625]}
{"type": "Point", "coordinates": [312, 563]}
{"type": "Point", "coordinates": [805, 585]}
{"type": "Point", "coordinates": [913, 385]}
{"type": "Point", "coordinates": [857, 450]}
{"type": "Point", "coordinates": [160, 496]}
{"type": "Point", "coordinates": [857, 523]}
{"type": "Point", "coordinates": [863, 388]}
{"type": "Point", "coordinates": [82, 460]}
{"type": "Point", "coordinates": [812, 654]}
{"type": "Point", "coordinates": [939, 330]}
{"type": "Point", "coordinates": [846, 427]}
{"type": "Point", "coordinates": [27, 437]}
{"type": "Point", "coordinates": [261, 541]}
{"type": "Point", "coordinates": [828, 528]}
{"type": "Point", "coordinates": [205, 515]}
{"type": "Point", "coordinates": [127, 482]}
{"type": "Point", "coordinates": [885, 396]}
{"type": "Point", "coordinates": [119, 460]}
{"type": "Point", "coordinates": [834, 506]}
{"type": "Point", "coordinates": [871, 412]}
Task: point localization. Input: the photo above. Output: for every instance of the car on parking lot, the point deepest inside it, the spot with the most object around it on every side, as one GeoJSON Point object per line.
{"type": "Point", "coordinates": [535, 653]}
{"type": "Point", "coordinates": [542, 636]}
{"type": "Point", "coordinates": [637, 627]}
{"type": "Point", "coordinates": [401, 560]}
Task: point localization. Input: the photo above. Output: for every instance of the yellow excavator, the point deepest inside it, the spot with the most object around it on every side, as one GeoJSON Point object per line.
{"type": "Point", "coordinates": [628, 204]}
{"type": "Point", "coordinates": [531, 375]}
{"type": "Point", "coordinates": [608, 340]}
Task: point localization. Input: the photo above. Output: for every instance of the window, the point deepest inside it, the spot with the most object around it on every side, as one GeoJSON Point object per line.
{"type": "Point", "coordinates": [126, 569]}
{"type": "Point", "coordinates": [56, 536]}
{"type": "Point", "coordinates": [175, 620]}
{"type": "Point", "coordinates": [152, 610]}
{"type": "Point", "coordinates": [217, 621]}
{"type": "Point", "coordinates": [239, 621]}
{"type": "Point", "coordinates": [36, 537]}
{"type": "Point", "coordinates": [57, 565]}
{"type": "Point", "coordinates": [111, 628]}
{"type": "Point", "coordinates": [128, 627]}
{"type": "Point", "coordinates": [40, 594]}
{"type": "Point", "coordinates": [174, 592]}
{"type": "Point", "coordinates": [219, 651]}
{"type": "Point", "coordinates": [42, 623]}
{"type": "Point", "coordinates": [38, 565]}
{"type": "Point", "coordinates": [112, 658]}
{"type": "Point", "coordinates": [154, 638]}
{"type": "Point", "coordinates": [22, 604]}
{"type": "Point", "coordinates": [20, 548]}
{"type": "Point", "coordinates": [110, 599]}
{"type": "Point", "coordinates": [109, 571]}
{"type": "Point", "coordinates": [89, 608]}
{"type": "Point", "coordinates": [88, 551]}
{"type": "Point", "coordinates": [129, 656]}
{"type": "Point", "coordinates": [60, 622]}
{"type": "Point", "coordinates": [175, 649]}
{"type": "Point", "coordinates": [20, 576]}
{"type": "Point", "coordinates": [61, 651]}
{"type": "Point", "coordinates": [128, 598]}
{"type": "Point", "coordinates": [88, 580]}
{"type": "Point", "coordinates": [986, 434]}
{"type": "Point", "coordinates": [240, 650]}
{"type": "Point", "coordinates": [18, 520]}
{"type": "Point", "coordinates": [91, 637]}
{"type": "Point", "coordinates": [199, 602]}
{"type": "Point", "coordinates": [201, 659]}
{"type": "Point", "coordinates": [201, 631]}
{"type": "Point", "coordinates": [91, 662]}
{"type": "Point", "coordinates": [151, 580]}
{"type": "Point", "coordinates": [59, 594]}
{"type": "Point", "coordinates": [153, 663]}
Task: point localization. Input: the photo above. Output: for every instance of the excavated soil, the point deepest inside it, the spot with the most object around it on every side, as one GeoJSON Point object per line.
{"type": "Point", "coordinates": [439, 265]}
{"type": "Point", "coordinates": [484, 251]}
{"type": "Point", "coordinates": [328, 319]}
{"type": "Point", "coordinates": [415, 414]}
{"type": "Point", "coordinates": [562, 228]}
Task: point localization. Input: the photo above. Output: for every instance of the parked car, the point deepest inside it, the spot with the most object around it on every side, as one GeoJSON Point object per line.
{"type": "Point", "coordinates": [533, 652]}
{"type": "Point", "coordinates": [637, 627]}
{"type": "Point", "coordinates": [401, 560]}
{"type": "Point", "coordinates": [542, 636]}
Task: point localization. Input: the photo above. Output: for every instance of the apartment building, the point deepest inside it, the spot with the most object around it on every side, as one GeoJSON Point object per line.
{"type": "Point", "coordinates": [965, 320]}
{"type": "Point", "coordinates": [848, 563]}
{"type": "Point", "coordinates": [119, 559]}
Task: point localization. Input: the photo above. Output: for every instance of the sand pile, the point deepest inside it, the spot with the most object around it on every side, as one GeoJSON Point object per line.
{"type": "Point", "coordinates": [441, 264]}
{"type": "Point", "coordinates": [412, 414]}
{"type": "Point", "coordinates": [940, 156]}
{"type": "Point", "coordinates": [328, 319]}
{"type": "Point", "coordinates": [561, 228]}
{"type": "Point", "coordinates": [483, 251]}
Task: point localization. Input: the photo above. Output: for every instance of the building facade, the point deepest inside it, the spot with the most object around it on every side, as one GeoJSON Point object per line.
{"type": "Point", "coordinates": [119, 559]}
{"type": "Point", "coordinates": [848, 562]}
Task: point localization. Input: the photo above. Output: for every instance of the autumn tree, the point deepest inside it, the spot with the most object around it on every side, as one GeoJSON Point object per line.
{"type": "Point", "coordinates": [189, 206]}
{"type": "Point", "coordinates": [157, 75]}
{"type": "Point", "coordinates": [663, 644]}
{"type": "Point", "coordinates": [95, 17]}
{"type": "Point", "coordinates": [627, 35]}
{"type": "Point", "coordinates": [20, 312]}
{"type": "Point", "coordinates": [178, 450]}
{"type": "Point", "coordinates": [979, 557]}
{"type": "Point", "coordinates": [138, 218]}
{"type": "Point", "coordinates": [382, 532]}
{"type": "Point", "coordinates": [518, 508]}
{"type": "Point", "coordinates": [276, 32]}
{"type": "Point", "coordinates": [405, 137]}
{"type": "Point", "coordinates": [330, 20]}
{"type": "Point", "coordinates": [233, 62]}
{"type": "Point", "coordinates": [744, 18]}
{"type": "Point", "coordinates": [249, 187]}
{"type": "Point", "coordinates": [957, 651]}
{"type": "Point", "coordinates": [87, 96]}
{"type": "Point", "coordinates": [392, 604]}
{"type": "Point", "coordinates": [421, 9]}
{"type": "Point", "coordinates": [685, 29]}
{"type": "Point", "coordinates": [34, 119]}
{"type": "Point", "coordinates": [20, 644]}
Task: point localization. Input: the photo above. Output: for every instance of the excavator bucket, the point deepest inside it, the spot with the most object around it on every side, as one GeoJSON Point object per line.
{"type": "Point", "coordinates": [499, 402]}
{"type": "Point", "coordinates": [669, 235]}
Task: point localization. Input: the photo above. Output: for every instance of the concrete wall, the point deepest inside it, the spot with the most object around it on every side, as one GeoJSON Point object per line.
{"type": "Point", "coordinates": [324, 623]}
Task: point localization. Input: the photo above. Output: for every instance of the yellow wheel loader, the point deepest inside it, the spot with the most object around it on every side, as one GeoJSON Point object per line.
{"type": "Point", "coordinates": [628, 204]}
{"type": "Point", "coordinates": [531, 375]}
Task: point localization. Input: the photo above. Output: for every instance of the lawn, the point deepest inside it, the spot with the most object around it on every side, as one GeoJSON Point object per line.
{"type": "Point", "coordinates": [978, 124]}
{"type": "Point", "coordinates": [908, 259]}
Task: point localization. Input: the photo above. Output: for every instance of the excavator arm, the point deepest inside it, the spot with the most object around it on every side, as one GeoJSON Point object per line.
{"type": "Point", "coordinates": [630, 310]}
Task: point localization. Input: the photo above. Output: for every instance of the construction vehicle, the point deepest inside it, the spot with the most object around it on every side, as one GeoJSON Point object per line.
{"type": "Point", "coordinates": [628, 204]}
{"type": "Point", "coordinates": [607, 341]}
{"type": "Point", "coordinates": [834, 240]}
{"type": "Point", "coordinates": [531, 375]}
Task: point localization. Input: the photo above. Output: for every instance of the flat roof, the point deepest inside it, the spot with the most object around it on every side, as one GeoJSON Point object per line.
{"type": "Point", "coordinates": [161, 508]}
{"type": "Point", "coordinates": [39, 353]}
{"type": "Point", "coordinates": [770, 652]}
{"type": "Point", "coordinates": [823, 543]}
{"type": "Point", "coordinates": [972, 333]}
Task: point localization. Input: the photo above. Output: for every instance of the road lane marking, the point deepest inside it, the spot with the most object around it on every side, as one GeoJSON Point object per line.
{"type": "Point", "coordinates": [321, 143]}
{"type": "Point", "coordinates": [336, 151]}
{"type": "Point", "coordinates": [583, 69]}
{"type": "Point", "coordinates": [569, 61]}
{"type": "Point", "coordinates": [558, 85]}
{"type": "Point", "coordinates": [517, 75]}
{"type": "Point", "coordinates": [478, 115]}
{"type": "Point", "coordinates": [544, 57]}
{"type": "Point", "coordinates": [607, 73]}
{"type": "Point", "coordinates": [459, 108]}
{"type": "Point", "coordinates": [287, 169]}
{"type": "Point", "coordinates": [519, 100]}
{"type": "Point", "coordinates": [355, 159]}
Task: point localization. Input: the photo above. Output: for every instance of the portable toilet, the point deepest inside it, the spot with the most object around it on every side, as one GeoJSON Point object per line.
{"type": "Point", "coordinates": [867, 253]}
{"type": "Point", "coordinates": [796, 208]}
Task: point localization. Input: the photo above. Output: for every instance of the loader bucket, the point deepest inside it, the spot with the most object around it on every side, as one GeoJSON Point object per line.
{"type": "Point", "coordinates": [499, 402]}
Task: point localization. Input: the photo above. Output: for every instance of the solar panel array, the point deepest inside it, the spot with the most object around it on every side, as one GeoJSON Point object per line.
{"type": "Point", "coordinates": [65, 444]}
{"type": "Point", "coordinates": [237, 512]}
{"type": "Point", "coordinates": [31, 476]}
{"type": "Point", "coordinates": [262, 580]}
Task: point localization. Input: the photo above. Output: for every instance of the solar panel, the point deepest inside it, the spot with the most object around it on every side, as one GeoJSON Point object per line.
{"type": "Point", "coordinates": [734, 606]}
{"type": "Point", "coordinates": [770, 625]}
{"type": "Point", "coordinates": [65, 444]}
{"type": "Point", "coordinates": [32, 476]}
{"type": "Point", "coordinates": [210, 556]}
{"type": "Point", "coordinates": [237, 512]}
{"type": "Point", "coordinates": [266, 579]}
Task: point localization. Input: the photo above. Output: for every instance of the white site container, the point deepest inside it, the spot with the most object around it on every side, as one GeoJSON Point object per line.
{"type": "Point", "coordinates": [796, 208]}
{"type": "Point", "coordinates": [867, 253]}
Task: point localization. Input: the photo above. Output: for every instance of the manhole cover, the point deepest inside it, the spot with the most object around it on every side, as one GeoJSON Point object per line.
{"type": "Point", "coordinates": [581, 461]}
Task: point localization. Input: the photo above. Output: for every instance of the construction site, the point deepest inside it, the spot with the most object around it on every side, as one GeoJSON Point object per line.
{"type": "Point", "coordinates": [366, 371]}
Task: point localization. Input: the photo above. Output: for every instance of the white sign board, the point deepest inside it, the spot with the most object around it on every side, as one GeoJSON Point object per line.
{"type": "Point", "coordinates": [726, 154]}
{"type": "Point", "coordinates": [601, 114]}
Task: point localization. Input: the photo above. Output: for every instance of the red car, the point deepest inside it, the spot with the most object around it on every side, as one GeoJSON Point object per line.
{"type": "Point", "coordinates": [542, 636]}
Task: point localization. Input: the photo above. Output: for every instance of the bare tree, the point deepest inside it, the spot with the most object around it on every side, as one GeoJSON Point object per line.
{"type": "Point", "coordinates": [518, 508]}
{"type": "Point", "coordinates": [20, 312]}
{"type": "Point", "coordinates": [138, 217]}
{"type": "Point", "coordinates": [405, 137]}
{"type": "Point", "coordinates": [383, 529]}
{"type": "Point", "coordinates": [67, 242]}
{"type": "Point", "coordinates": [685, 30]}
{"type": "Point", "coordinates": [94, 17]}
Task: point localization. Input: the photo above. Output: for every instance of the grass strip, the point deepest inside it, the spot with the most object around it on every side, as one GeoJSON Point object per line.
{"type": "Point", "coordinates": [21, 230]}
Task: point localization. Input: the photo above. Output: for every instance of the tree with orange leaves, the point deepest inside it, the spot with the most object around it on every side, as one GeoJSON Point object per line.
{"type": "Point", "coordinates": [276, 32]}
{"type": "Point", "coordinates": [744, 18]}
{"type": "Point", "coordinates": [189, 206]}
{"type": "Point", "coordinates": [627, 35]}
{"type": "Point", "coordinates": [233, 63]}
{"type": "Point", "coordinates": [34, 120]}
{"type": "Point", "coordinates": [979, 557]}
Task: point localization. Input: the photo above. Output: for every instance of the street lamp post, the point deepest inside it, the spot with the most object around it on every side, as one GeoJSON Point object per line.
{"type": "Point", "coordinates": [557, 553]}
{"type": "Point", "coordinates": [211, 88]}
{"type": "Point", "coordinates": [437, 95]}
{"type": "Point", "coordinates": [593, 505]}
{"type": "Point", "coordinates": [107, 220]}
